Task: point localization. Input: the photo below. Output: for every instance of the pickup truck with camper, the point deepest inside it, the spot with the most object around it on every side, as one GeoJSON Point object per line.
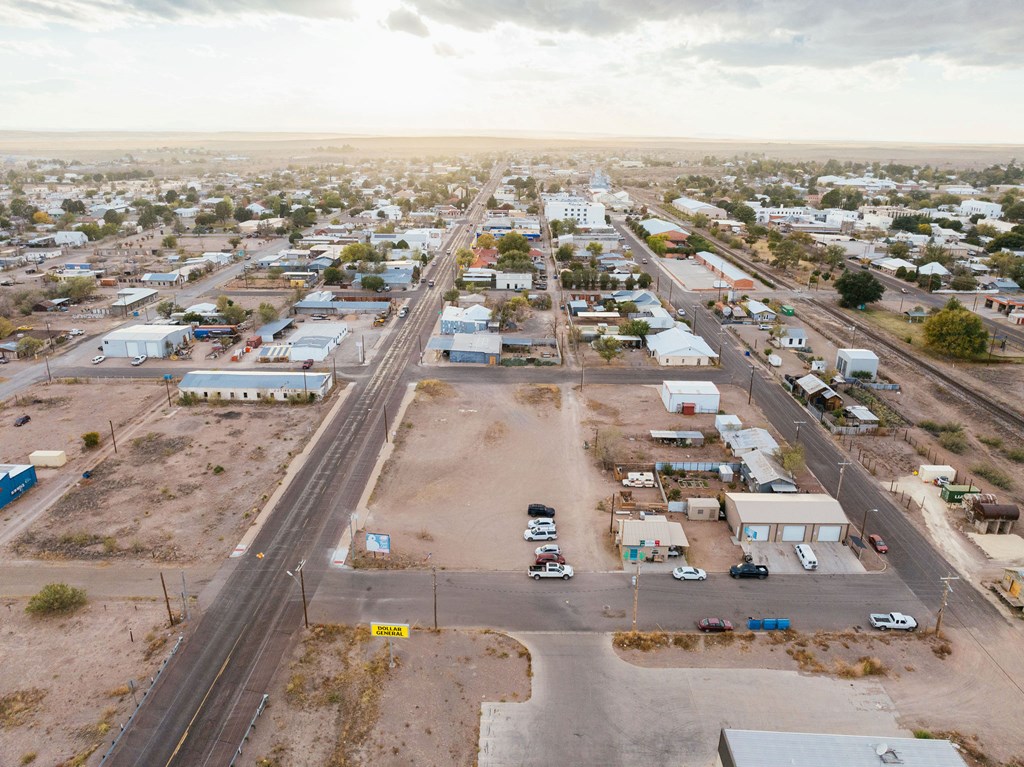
{"type": "Point", "coordinates": [550, 570]}
{"type": "Point", "coordinates": [898, 621]}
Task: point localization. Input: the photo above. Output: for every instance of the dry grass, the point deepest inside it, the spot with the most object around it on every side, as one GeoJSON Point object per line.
{"type": "Point", "coordinates": [645, 641]}
{"type": "Point", "coordinates": [865, 666]}
{"type": "Point", "coordinates": [539, 395]}
{"type": "Point", "coordinates": [435, 389]}
{"type": "Point", "coordinates": [17, 707]}
{"type": "Point", "coordinates": [495, 433]}
{"type": "Point", "coordinates": [806, 660]}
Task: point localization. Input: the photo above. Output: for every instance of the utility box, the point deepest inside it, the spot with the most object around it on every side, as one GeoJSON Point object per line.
{"type": "Point", "coordinates": [956, 493]}
{"type": "Point", "coordinates": [50, 459]}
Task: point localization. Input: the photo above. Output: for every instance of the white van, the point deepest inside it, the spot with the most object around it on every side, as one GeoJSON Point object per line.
{"type": "Point", "coordinates": [806, 556]}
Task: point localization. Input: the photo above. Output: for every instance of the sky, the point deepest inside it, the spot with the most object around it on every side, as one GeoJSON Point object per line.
{"type": "Point", "coordinates": [909, 71]}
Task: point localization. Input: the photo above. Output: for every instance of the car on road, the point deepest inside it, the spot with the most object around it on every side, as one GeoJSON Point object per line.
{"type": "Point", "coordinates": [430, 283]}
{"type": "Point", "coordinates": [76, 332]}
{"type": "Point", "coordinates": [139, 360]}
{"type": "Point", "coordinates": [645, 261]}
{"type": "Point", "coordinates": [541, 534]}
{"type": "Point", "coordinates": [897, 621]}
{"type": "Point", "coordinates": [307, 364]}
{"type": "Point", "coordinates": [877, 543]}
{"type": "Point", "coordinates": [540, 510]}
{"type": "Point", "coordinates": [550, 557]}
{"type": "Point", "coordinates": [904, 290]}
{"type": "Point", "coordinates": [21, 420]}
{"type": "Point", "coordinates": [98, 359]}
{"type": "Point", "coordinates": [403, 312]}
{"type": "Point", "coordinates": [689, 574]}
{"type": "Point", "coordinates": [680, 312]}
{"type": "Point", "coordinates": [535, 524]}
{"type": "Point", "coordinates": [714, 625]}
{"type": "Point", "coordinates": [548, 548]}
{"type": "Point", "coordinates": [748, 570]}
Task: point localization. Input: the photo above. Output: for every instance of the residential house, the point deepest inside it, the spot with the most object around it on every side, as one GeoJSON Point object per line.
{"type": "Point", "coordinates": [794, 338]}
{"type": "Point", "coordinates": [163, 279]}
{"type": "Point", "coordinates": [692, 207]}
{"type": "Point", "coordinates": [743, 441]}
{"type": "Point", "coordinates": [472, 319]}
{"type": "Point", "coordinates": [760, 312]}
{"type": "Point", "coordinates": [762, 473]}
{"type": "Point", "coordinates": [817, 393]}
{"type": "Point", "coordinates": [679, 347]}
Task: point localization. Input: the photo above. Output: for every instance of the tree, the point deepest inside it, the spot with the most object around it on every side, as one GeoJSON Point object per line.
{"type": "Point", "coordinates": [170, 196]}
{"type": "Point", "coordinates": [899, 250]}
{"type": "Point", "coordinates": [56, 599]}
{"type": "Point", "coordinates": [956, 332]}
{"type": "Point", "coordinates": [743, 213]}
{"type": "Point", "coordinates": [234, 242]}
{"type": "Point", "coordinates": [787, 254]}
{"type": "Point", "coordinates": [165, 308]}
{"type": "Point", "coordinates": [486, 241]}
{"type": "Point", "coordinates": [513, 242]}
{"type": "Point", "coordinates": [333, 276]}
{"type": "Point", "coordinates": [464, 257]}
{"type": "Point", "coordinates": [451, 296]}
{"type": "Point", "coordinates": [644, 280]}
{"type": "Point", "coordinates": [835, 255]}
{"type": "Point", "coordinates": [635, 328]}
{"type": "Point", "coordinates": [41, 217]}
{"type": "Point", "coordinates": [113, 217]}
{"type": "Point", "coordinates": [222, 303]}
{"type": "Point", "coordinates": [268, 312]}
{"type": "Point", "coordinates": [223, 209]}
{"type": "Point", "coordinates": [565, 253]}
{"type": "Point", "coordinates": [608, 348]}
{"type": "Point", "coordinates": [170, 241]}
{"type": "Point", "coordinates": [372, 282]}
{"type": "Point", "coordinates": [91, 439]}
{"type": "Point", "coordinates": [28, 346]}
{"type": "Point", "coordinates": [77, 288]}
{"type": "Point", "coordinates": [234, 314]}
{"type": "Point", "coordinates": [595, 248]}
{"type": "Point", "coordinates": [964, 281]}
{"type": "Point", "coordinates": [792, 458]}
{"type": "Point", "coordinates": [858, 288]}
{"type": "Point", "coordinates": [658, 243]}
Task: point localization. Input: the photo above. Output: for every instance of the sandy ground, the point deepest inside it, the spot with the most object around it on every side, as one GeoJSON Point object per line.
{"type": "Point", "coordinates": [938, 685]}
{"type": "Point", "coordinates": [67, 691]}
{"type": "Point", "coordinates": [181, 491]}
{"type": "Point", "coordinates": [336, 701]}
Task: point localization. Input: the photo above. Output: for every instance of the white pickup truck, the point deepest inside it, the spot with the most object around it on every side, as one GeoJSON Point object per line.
{"type": "Point", "coordinates": [550, 570]}
{"type": "Point", "coordinates": [886, 621]}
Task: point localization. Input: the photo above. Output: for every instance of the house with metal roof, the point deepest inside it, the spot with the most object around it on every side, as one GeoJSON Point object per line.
{"type": "Point", "coordinates": [472, 319]}
{"type": "Point", "coordinates": [794, 338]}
{"type": "Point", "coordinates": [933, 267]}
{"type": "Point", "coordinates": [679, 347]}
{"type": "Point", "coordinates": [750, 748]}
{"type": "Point", "coordinates": [817, 392]}
{"type": "Point", "coordinates": [743, 441]}
{"type": "Point", "coordinates": [762, 473]}
{"type": "Point", "coordinates": [253, 386]}
{"type": "Point", "coordinates": [787, 517]}
{"type": "Point", "coordinates": [690, 397]}
{"type": "Point", "coordinates": [650, 538]}
{"type": "Point", "coordinates": [163, 279]}
{"type": "Point", "coordinates": [760, 312]}
{"type": "Point", "coordinates": [315, 341]}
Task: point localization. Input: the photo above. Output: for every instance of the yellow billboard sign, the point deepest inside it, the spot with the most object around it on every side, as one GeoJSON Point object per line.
{"type": "Point", "coordinates": [390, 630]}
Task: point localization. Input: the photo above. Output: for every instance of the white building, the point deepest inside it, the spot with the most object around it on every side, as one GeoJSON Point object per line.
{"type": "Point", "coordinates": [316, 340]}
{"type": "Point", "coordinates": [513, 281]}
{"type": "Point", "coordinates": [692, 207]}
{"type": "Point", "coordinates": [254, 386]}
{"type": "Point", "coordinates": [980, 208]}
{"type": "Point", "coordinates": [152, 340]}
{"type": "Point", "coordinates": [576, 209]}
{"type": "Point", "coordinates": [678, 347]}
{"type": "Point", "coordinates": [690, 396]}
{"type": "Point", "coordinates": [851, 361]}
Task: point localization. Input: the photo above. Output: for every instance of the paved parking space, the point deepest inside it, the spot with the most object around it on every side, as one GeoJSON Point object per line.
{"type": "Point", "coordinates": [833, 558]}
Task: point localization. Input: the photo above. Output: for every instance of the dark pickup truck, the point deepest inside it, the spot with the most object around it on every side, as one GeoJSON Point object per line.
{"type": "Point", "coordinates": [748, 570]}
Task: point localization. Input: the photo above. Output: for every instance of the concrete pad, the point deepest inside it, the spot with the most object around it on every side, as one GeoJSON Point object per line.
{"type": "Point", "coordinates": [590, 707]}
{"type": "Point", "coordinates": [1005, 548]}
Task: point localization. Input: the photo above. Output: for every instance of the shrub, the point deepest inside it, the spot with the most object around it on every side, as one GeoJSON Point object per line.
{"type": "Point", "coordinates": [56, 599]}
{"type": "Point", "coordinates": [991, 441]}
{"type": "Point", "coordinates": [954, 441]}
{"type": "Point", "coordinates": [993, 475]}
{"type": "Point", "coordinates": [187, 399]}
{"type": "Point", "coordinates": [218, 469]}
{"type": "Point", "coordinates": [1016, 455]}
{"type": "Point", "coordinates": [91, 439]}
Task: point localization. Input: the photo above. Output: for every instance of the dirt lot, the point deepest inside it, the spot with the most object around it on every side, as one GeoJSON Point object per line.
{"type": "Point", "coordinates": [68, 689]}
{"type": "Point", "coordinates": [178, 492]}
{"type": "Point", "coordinates": [946, 687]}
{"type": "Point", "coordinates": [336, 701]}
{"type": "Point", "coordinates": [62, 412]}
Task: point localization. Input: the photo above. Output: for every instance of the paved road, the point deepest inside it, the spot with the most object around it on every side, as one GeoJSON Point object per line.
{"type": "Point", "coordinates": [604, 601]}
{"type": "Point", "coordinates": [198, 713]}
{"type": "Point", "coordinates": [589, 707]}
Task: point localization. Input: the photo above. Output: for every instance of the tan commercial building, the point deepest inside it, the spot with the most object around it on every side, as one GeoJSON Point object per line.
{"type": "Point", "coordinates": [794, 518]}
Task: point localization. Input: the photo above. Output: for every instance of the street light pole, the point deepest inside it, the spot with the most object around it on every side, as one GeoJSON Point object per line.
{"type": "Point", "coordinates": [302, 586]}
{"type": "Point", "coordinates": [798, 425]}
{"type": "Point", "coordinates": [750, 393]}
{"type": "Point", "coordinates": [842, 468]}
{"type": "Point", "coordinates": [863, 533]}
{"type": "Point", "coordinates": [636, 593]}
{"type": "Point", "coordinates": [946, 591]}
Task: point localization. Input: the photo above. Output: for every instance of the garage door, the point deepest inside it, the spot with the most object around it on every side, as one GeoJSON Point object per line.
{"type": "Point", "coordinates": [133, 348]}
{"type": "Point", "coordinates": [756, 532]}
{"type": "Point", "coordinates": [153, 349]}
{"type": "Point", "coordinates": [830, 533]}
{"type": "Point", "coordinates": [793, 533]}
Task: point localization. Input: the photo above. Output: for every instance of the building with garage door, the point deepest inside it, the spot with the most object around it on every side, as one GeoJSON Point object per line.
{"type": "Point", "coordinates": [689, 397]}
{"type": "Point", "coordinates": [788, 517]}
{"type": "Point", "coordinates": [151, 340]}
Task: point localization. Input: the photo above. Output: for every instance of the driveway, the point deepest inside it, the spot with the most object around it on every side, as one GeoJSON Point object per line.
{"type": "Point", "coordinates": [590, 707]}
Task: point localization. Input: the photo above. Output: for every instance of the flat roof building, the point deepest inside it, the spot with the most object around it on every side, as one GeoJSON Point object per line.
{"type": "Point", "coordinates": [751, 748]}
{"type": "Point", "coordinates": [787, 517]}
{"type": "Point", "coordinates": [253, 386]}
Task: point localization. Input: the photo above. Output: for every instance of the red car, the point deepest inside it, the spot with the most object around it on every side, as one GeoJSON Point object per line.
{"type": "Point", "coordinates": [877, 543]}
{"type": "Point", "coordinates": [550, 557]}
{"type": "Point", "coordinates": [307, 364]}
{"type": "Point", "coordinates": [714, 625]}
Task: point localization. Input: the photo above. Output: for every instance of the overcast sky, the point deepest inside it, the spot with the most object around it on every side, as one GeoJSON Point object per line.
{"type": "Point", "coordinates": [789, 69]}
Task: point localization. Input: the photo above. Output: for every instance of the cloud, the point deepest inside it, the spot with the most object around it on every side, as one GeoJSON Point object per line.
{"type": "Point", "coordinates": [33, 48]}
{"type": "Point", "coordinates": [404, 20]}
{"type": "Point", "coordinates": [106, 13]}
{"type": "Point", "coordinates": [445, 50]}
{"type": "Point", "coordinates": [803, 33]}
{"type": "Point", "coordinates": [52, 86]}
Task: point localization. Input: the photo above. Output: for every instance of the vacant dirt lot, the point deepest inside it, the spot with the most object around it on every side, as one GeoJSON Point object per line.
{"type": "Point", "coordinates": [945, 686]}
{"type": "Point", "coordinates": [336, 702]}
{"type": "Point", "coordinates": [470, 458]}
{"type": "Point", "coordinates": [68, 690]}
{"type": "Point", "coordinates": [182, 491]}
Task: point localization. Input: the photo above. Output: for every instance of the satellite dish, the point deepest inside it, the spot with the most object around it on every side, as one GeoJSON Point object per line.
{"type": "Point", "coordinates": [881, 749]}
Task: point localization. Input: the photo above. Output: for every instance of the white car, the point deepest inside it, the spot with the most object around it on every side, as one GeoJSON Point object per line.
{"type": "Point", "coordinates": [540, 534]}
{"type": "Point", "coordinates": [689, 574]}
{"type": "Point", "coordinates": [76, 332]}
{"type": "Point", "coordinates": [98, 359]}
{"type": "Point", "coordinates": [138, 360]}
{"type": "Point", "coordinates": [541, 522]}
{"type": "Point", "coordinates": [548, 548]}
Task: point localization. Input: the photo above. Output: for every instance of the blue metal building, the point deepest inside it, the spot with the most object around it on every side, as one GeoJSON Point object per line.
{"type": "Point", "coordinates": [15, 480]}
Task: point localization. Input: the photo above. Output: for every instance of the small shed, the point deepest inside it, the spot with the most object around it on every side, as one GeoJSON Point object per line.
{"type": "Point", "coordinates": [702, 509]}
{"type": "Point", "coordinates": [852, 361]}
{"type": "Point", "coordinates": [1013, 581]}
{"type": "Point", "coordinates": [725, 473]}
{"type": "Point", "coordinates": [929, 472]}
{"type": "Point", "coordinates": [50, 459]}
{"type": "Point", "coordinates": [689, 397]}
{"type": "Point", "coordinates": [679, 438]}
{"type": "Point", "coordinates": [727, 423]}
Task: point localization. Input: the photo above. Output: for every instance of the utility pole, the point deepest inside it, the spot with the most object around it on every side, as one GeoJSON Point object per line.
{"type": "Point", "coordinates": [636, 593]}
{"type": "Point", "coordinates": [434, 572]}
{"type": "Point", "coordinates": [842, 468]}
{"type": "Point", "coordinates": [864, 532]}
{"type": "Point", "coordinates": [947, 589]}
{"type": "Point", "coordinates": [167, 601]}
{"type": "Point", "coordinates": [798, 425]}
{"type": "Point", "coordinates": [750, 393]}
{"type": "Point", "coordinates": [384, 407]}
{"type": "Point", "coordinates": [112, 437]}
{"type": "Point", "coordinates": [611, 516]}
{"type": "Point", "coordinates": [302, 587]}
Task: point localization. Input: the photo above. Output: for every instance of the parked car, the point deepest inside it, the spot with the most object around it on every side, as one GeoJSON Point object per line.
{"type": "Point", "coordinates": [877, 543]}
{"type": "Point", "coordinates": [645, 260]}
{"type": "Point", "coordinates": [98, 359]}
{"type": "Point", "coordinates": [714, 625]}
{"type": "Point", "coordinates": [689, 574]}
{"type": "Point", "coordinates": [540, 510]}
{"type": "Point", "coordinates": [550, 557]}
{"type": "Point", "coordinates": [535, 524]}
{"type": "Point", "coordinates": [76, 332]}
{"type": "Point", "coordinates": [748, 570]}
{"type": "Point", "coordinates": [139, 360]}
{"type": "Point", "coordinates": [886, 621]}
{"type": "Point", "coordinates": [548, 548]}
{"type": "Point", "coordinates": [941, 481]}
{"type": "Point", "coordinates": [307, 364]}
{"type": "Point", "coordinates": [21, 420]}
{"type": "Point", "coordinates": [542, 534]}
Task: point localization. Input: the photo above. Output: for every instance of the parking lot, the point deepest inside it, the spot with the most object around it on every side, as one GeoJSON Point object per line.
{"type": "Point", "coordinates": [833, 558]}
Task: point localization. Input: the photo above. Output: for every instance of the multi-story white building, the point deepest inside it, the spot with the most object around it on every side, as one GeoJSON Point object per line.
{"type": "Point", "coordinates": [575, 208]}
{"type": "Point", "coordinates": [981, 208]}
